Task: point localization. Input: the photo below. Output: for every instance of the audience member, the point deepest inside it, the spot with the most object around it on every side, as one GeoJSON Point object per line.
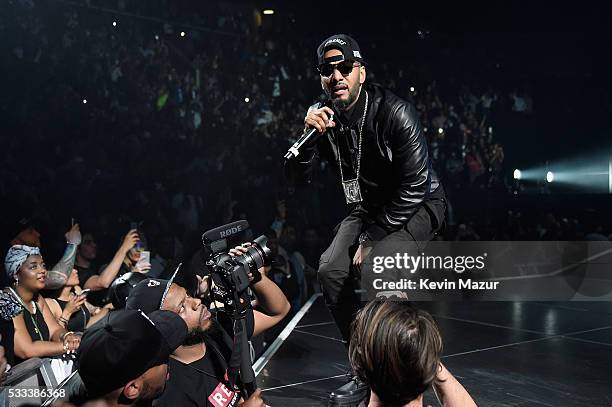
{"type": "Point", "coordinates": [123, 360]}
{"type": "Point", "coordinates": [71, 308]}
{"type": "Point", "coordinates": [124, 261]}
{"type": "Point", "coordinates": [395, 349]}
{"type": "Point", "coordinates": [28, 326]}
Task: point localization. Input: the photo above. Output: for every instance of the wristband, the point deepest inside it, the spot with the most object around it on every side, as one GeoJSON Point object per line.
{"type": "Point", "coordinates": [363, 238]}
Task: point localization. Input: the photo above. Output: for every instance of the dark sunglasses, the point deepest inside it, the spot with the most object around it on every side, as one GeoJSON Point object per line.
{"type": "Point", "coordinates": [344, 67]}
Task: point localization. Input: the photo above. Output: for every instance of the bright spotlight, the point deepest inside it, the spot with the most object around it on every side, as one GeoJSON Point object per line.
{"type": "Point", "coordinates": [412, 89]}
{"type": "Point", "coordinates": [114, 24]}
{"type": "Point", "coordinates": [182, 33]}
{"type": "Point", "coordinates": [268, 12]}
{"type": "Point", "coordinates": [440, 130]}
{"type": "Point", "coordinates": [247, 100]}
{"type": "Point", "coordinates": [84, 101]}
{"type": "Point", "coordinates": [157, 37]}
{"type": "Point", "coordinates": [550, 177]}
{"type": "Point", "coordinates": [517, 174]}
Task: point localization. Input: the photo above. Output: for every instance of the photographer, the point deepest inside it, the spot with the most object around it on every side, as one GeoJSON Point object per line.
{"type": "Point", "coordinates": [199, 367]}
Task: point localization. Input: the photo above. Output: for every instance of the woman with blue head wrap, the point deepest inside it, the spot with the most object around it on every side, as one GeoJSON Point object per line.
{"type": "Point", "coordinates": [28, 327]}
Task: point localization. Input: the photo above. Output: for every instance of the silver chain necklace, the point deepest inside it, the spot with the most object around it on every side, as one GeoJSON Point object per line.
{"type": "Point", "coordinates": [352, 190]}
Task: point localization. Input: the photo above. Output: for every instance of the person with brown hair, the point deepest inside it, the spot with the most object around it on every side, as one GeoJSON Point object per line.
{"type": "Point", "coordinates": [395, 349]}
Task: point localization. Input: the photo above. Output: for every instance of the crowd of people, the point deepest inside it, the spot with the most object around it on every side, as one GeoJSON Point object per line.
{"type": "Point", "coordinates": [136, 122]}
{"type": "Point", "coordinates": [149, 131]}
{"type": "Point", "coordinates": [180, 113]}
{"type": "Point", "coordinates": [162, 326]}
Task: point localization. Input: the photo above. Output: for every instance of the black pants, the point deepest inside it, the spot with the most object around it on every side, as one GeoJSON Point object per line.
{"type": "Point", "coordinates": [338, 279]}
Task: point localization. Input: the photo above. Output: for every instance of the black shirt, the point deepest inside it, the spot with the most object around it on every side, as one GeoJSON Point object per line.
{"type": "Point", "coordinates": [346, 135]}
{"type": "Point", "coordinates": [201, 383]}
{"type": "Point", "coordinates": [197, 384]}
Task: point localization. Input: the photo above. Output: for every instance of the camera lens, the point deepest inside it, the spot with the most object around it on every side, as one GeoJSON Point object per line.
{"type": "Point", "coordinates": [257, 255]}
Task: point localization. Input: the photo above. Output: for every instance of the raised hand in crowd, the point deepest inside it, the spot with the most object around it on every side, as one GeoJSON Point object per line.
{"type": "Point", "coordinates": [73, 235]}
{"type": "Point", "coordinates": [109, 272]}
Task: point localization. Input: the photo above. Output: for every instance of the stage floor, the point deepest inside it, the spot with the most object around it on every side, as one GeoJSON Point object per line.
{"type": "Point", "coordinates": [504, 353]}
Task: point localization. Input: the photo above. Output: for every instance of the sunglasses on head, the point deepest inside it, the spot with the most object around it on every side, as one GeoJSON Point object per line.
{"type": "Point", "coordinates": [344, 67]}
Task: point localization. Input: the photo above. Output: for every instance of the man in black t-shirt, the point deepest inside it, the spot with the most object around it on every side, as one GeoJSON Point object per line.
{"type": "Point", "coordinates": [198, 369]}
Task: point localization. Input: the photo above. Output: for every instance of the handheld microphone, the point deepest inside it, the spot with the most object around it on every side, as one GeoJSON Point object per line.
{"type": "Point", "coordinates": [306, 138]}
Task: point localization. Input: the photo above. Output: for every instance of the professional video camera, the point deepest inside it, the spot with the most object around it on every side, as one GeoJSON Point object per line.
{"type": "Point", "coordinates": [231, 274]}
{"type": "Point", "coordinates": [231, 277]}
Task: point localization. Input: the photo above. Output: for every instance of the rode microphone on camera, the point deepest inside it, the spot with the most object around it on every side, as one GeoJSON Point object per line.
{"type": "Point", "coordinates": [217, 239]}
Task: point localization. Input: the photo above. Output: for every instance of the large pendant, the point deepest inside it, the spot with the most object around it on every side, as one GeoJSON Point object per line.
{"type": "Point", "coordinates": [352, 191]}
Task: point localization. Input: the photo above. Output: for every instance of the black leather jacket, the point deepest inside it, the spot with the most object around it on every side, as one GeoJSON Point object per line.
{"type": "Point", "coordinates": [396, 173]}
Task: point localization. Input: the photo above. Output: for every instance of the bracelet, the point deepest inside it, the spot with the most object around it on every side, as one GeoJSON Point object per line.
{"type": "Point", "coordinates": [65, 334]}
{"type": "Point", "coordinates": [64, 320]}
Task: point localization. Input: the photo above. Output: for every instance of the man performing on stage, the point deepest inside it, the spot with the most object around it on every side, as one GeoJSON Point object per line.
{"type": "Point", "coordinates": [377, 142]}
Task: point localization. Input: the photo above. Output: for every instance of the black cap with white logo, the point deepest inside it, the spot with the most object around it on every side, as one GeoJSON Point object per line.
{"type": "Point", "coordinates": [149, 295]}
{"type": "Point", "coordinates": [346, 44]}
{"type": "Point", "coordinates": [124, 344]}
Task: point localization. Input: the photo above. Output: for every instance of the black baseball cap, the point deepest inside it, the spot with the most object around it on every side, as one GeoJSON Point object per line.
{"type": "Point", "coordinates": [346, 44]}
{"type": "Point", "coordinates": [149, 294]}
{"type": "Point", "coordinates": [120, 289]}
{"type": "Point", "coordinates": [124, 345]}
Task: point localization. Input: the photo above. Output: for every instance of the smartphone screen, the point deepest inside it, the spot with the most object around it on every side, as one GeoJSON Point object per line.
{"type": "Point", "coordinates": [145, 257]}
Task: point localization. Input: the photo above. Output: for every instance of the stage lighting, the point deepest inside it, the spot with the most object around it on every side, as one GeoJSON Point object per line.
{"type": "Point", "coordinates": [517, 174]}
{"type": "Point", "coordinates": [268, 12]}
{"type": "Point", "coordinates": [412, 89]}
{"type": "Point", "coordinates": [114, 24]}
{"type": "Point", "coordinates": [247, 100]}
{"type": "Point", "coordinates": [440, 130]}
{"type": "Point", "coordinates": [182, 33]}
{"type": "Point", "coordinates": [550, 177]}
{"type": "Point", "coordinates": [157, 37]}
{"type": "Point", "coordinates": [84, 101]}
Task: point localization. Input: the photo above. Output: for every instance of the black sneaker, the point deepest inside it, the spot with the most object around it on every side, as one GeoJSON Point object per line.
{"type": "Point", "coordinates": [350, 394]}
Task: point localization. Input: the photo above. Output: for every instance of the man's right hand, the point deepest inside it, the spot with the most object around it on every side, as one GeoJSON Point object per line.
{"type": "Point", "coordinates": [129, 240]}
{"type": "Point", "coordinates": [320, 119]}
{"type": "Point", "coordinates": [254, 401]}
